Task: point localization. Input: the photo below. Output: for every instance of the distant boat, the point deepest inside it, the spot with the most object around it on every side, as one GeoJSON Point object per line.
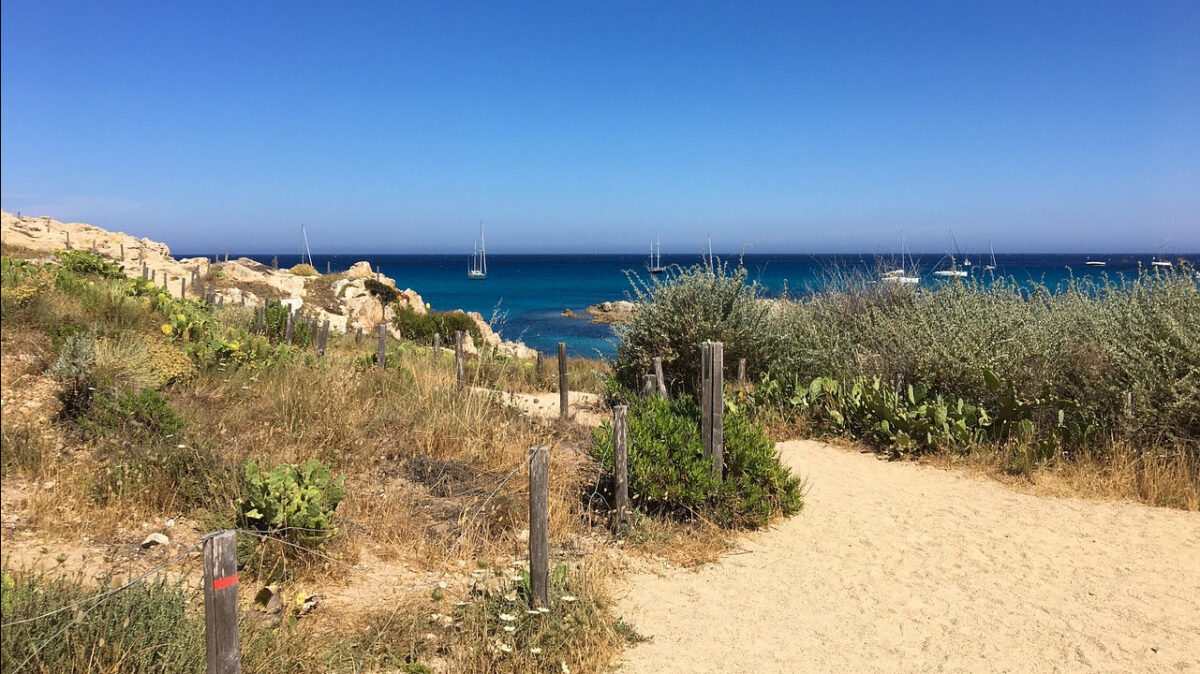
{"type": "Point", "coordinates": [1161, 263]}
{"type": "Point", "coordinates": [953, 271]}
{"type": "Point", "coordinates": [898, 276]}
{"type": "Point", "coordinates": [1096, 263]}
{"type": "Point", "coordinates": [654, 265]}
{"type": "Point", "coordinates": [478, 269]}
{"type": "Point", "coordinates": [992, 251]}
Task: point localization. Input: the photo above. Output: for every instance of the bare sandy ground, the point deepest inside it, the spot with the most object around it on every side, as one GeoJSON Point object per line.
{"type": "Point", "coordinates": [585, 408]}
{"type": "Point", "coordinates": [897, 567]}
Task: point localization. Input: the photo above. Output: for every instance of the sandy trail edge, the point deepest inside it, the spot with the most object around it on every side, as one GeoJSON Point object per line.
{"type": "Point", "coordinates": [901, 567]}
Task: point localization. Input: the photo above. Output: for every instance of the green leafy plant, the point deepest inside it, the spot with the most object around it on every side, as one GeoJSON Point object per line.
{"type": "Point", "coordinates": [421, 328]}
{"type": "Point", "coordinates": [297, 502]}
{"type": "Point", "coordinates": [85, 263]}
{"type": "Point", "coordinates": [386, 294]}
{"type": "Point", "coordinates": [669, 474]}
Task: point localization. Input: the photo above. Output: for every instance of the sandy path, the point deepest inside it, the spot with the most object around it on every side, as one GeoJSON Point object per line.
{"type": "Point", "coordinates": [585, 408]}
{"type": "Point", "coordinates": [899, 567]}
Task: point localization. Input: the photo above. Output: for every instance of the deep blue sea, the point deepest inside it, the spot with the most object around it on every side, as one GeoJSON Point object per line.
{"type": "Point", "coordinates": [528, 293]}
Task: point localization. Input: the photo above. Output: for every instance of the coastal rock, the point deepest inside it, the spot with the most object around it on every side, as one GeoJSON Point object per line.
{"type": "Point", "coordinates": [620, 311]}
{"type": "Point", "coordinates": [360, 270]}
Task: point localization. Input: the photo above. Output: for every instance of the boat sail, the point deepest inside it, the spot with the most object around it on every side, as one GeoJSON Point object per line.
{"type": "Point", "coordinates": [654, 265]}
{"type": "Point", "coordinates": [992, 265]}
{"type": "Point", "coordinates": [477, 271]}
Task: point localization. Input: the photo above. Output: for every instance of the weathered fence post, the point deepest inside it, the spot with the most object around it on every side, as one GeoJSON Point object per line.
{"type": "Point", "coordinates": [358, 336]}
{"type": "Point", "coordinates": [563, 391]}
{"type": "Point", "coordinates": [68, 240]}
{"type": "Point", "coordinates": [262, 318]}
{"type": "Point", "coordinates": [706, 398]}
{"type": "Point", "coordinates": [382, 346]}
{"type": "Point", "coordinates": [620, 435]}
{"type": "Point", "coordinates": [540, 366]}
{"type": "Point", "coordinates": [437, 345]}
{"type": "Point", "coordinates": [324, 337]}
{"type": "Point", "coordinates": [328, 267]}
{"type": "Point", "coordinates": [122, 252]}
{"type": "Point", "coordinates": [662, 381]}
{"type": "Point", "coordinates": [154, 276]}
{"type": "Point", "coordinates": [459, 369]}
{"type": "Point", "coordinates": [649, 386]}
{"type": "Point", "coordinates": [717, 400]}
{"type": "Point", "coordinates": [220, 301]}
{"type": "Point", "coordinates": [539, 525]}
{"type": "Point", "coordinates": [741, 372]}
{"type": "Point", "coordinates": [221, 605]}
{"type": "Point", "coordinates": [289, 329]}
{"type": "Point", "coordinates": [242, 300]}
{"type": "Point", "coordinates": [275, 262]}
{"type": "Point", "coordinates": [182, 287]}
{"type": "Point", "coordinates": [94, 250]}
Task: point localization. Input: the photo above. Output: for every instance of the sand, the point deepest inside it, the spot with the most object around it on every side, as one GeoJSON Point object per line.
{"type": "Point", "coordinates": [898, 567]}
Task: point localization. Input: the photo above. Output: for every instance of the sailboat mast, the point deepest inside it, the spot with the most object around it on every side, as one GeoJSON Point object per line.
{"type": "Point", "coordinates": [482, 249]}
{"type": "Point", "coordinates": [304, 234]}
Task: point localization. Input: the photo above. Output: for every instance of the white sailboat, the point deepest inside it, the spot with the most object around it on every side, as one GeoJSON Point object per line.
{"type": "Point", "coordinates": [654, 265]}
{"type": "Point", "coordinates": [898, 276]}
{"type": "Point", "coordinates": [477, 271]}
{"type": "Point", "coordinates": [953, 271]}
{"type": "Point", "coordinates": [992, 251]}
{"type": "Point", "coordinates": [1096, 263]}
{"type": "Point", "coordinates": [1159, 261]}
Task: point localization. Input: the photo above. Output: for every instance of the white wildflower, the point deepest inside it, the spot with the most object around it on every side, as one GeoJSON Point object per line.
{"type": "Point", "coordinates": [565, 668]}
{"type": "Point", "coordinates": [506, 648]}
{"type": "Point", "coordinates": [507, 617]}
{"type": "Point", "coordinates": [567, 598]}
{"type": "Point", "coordinates": [510, 628]}
{"type": "Point", "coordinates": [543, 609]}
{"type": "Point", "coordinates": [535, 650]}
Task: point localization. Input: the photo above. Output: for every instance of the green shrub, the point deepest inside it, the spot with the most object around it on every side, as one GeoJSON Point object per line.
{"type": "Point", "coordinates": [141, 416]}
{"type": "Point", "coordinates": [686, 308]}
{"type": "Point", "coordinates": [386, 294]}
{"type": "Point", "coordinates": [669, 474]}
{"type": "Point", "coordinates": [149, 627]}
{"type": "Point", "coordinates": [304, 269]}
{"type": "Point", "coordinates": [421, 328]}
{"type": "Point", "coordinates": [295, 502]}
{"type": "Point", "coordinates": [164, 475]}
{"type": "Point", "coordinates": [88, 264]}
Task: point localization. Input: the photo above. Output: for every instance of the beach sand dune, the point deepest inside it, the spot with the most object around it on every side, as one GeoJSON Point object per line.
{"type": "Point", "coordinates": [898, 567]}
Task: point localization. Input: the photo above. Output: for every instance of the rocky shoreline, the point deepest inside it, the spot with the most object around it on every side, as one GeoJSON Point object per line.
{"type": "Point", "coordinates": [344, 298]}
{"type": "Point", "coordinates": [618, 312]}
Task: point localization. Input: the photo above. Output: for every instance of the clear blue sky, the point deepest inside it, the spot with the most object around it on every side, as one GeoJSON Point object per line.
{"type": "Point", "coordinates": [396, 127]}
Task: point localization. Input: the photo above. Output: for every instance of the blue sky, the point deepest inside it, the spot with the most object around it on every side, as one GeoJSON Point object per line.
{"type": "Point", "coordinates": [396, 127]}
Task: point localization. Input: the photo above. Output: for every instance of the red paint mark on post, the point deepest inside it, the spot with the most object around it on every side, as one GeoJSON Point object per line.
{"type": "Point", "coordinates": [222, 583]}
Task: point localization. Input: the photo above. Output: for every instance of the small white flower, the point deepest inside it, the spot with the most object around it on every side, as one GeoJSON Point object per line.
{"type": "Point", "coordinates": [517, 577]}
{"type": "Point", "coordinates": [565, 668]}
{"type": "Point", "coordinates": [535, 650]}
{"type": "Point", "coordinates": [462, 603]}
{"type": "Point", "coordinates": [543, 609]}
{"type": "Point", "coordinates": [567, 598]}
{"type": "Point", "coordinates": [506, 648]}
{"type": "Point", "coordinates": [507, 617]}
{"type": "Point", "coordinates": [442, 584]}
{"type": "Point", "coordinates": [532, 612]}
{"type": "Point", "coordinates": [510, 628]}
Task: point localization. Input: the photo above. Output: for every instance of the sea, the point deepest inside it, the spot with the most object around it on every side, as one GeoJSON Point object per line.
{"type": "Point", "coordinates": [526, 296]}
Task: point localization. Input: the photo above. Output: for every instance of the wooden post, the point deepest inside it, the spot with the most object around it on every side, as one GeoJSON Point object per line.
{"type": "Point", "coordinates": [706, 398]}
{"type": "Point", "coordinates": [328, 267]}
{"type": "Point", "coordinates": [324, 337]}
{"type": "Point", "coordinates": [541, 368]}
{"type": "Point", "coordinates": [220, 301]}
{"type": "Point", "coordinates": [539, 525]}
{"type": "Point", "coordinates": [717, 415]}
{"type": "Point", "coordinates": [382, 346]}
{"type": "Point", "coordinates": [358, 336]}
{"type": "Point", "coordinates": [154, 276]}
{"type": "Point", "coordinates": [459, 369]}
{"type": "Point", "coordinates": [563, 392]}
{"type": "Point", "coordinates": [221, 605]}
{"type": "Point", "coordinates": [242, 300]}
{"type": "Point", "coordinates": [741, 372]}
{"type": "Point", "coordinates": [662, 381]}
{"type": "Point", "coordinates": [289, 329]}
{"type": "Point", "coordinates": [262, 318]}
{"type": "Point", "coordinates": [68, 240]}
{"type": "Point", "coordinates": [182, 287]}
{"type": "Point", "coordinates": [649, 386]}
{"type": "Point", "coordinates": [620, 435]}
{"type": "Point", "coordinates": [227, 256]}
{"type": "Point", "coordinates": [437, 345]}
{"type": "Point", "coordinates": [94, 245]}
{"type": "Point", "coordinates": [274, 262]}
{"type": "Point", "coordinates": [122, 252]}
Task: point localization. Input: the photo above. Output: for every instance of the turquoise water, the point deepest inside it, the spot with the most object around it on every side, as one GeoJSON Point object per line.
{"type": "Point", "coordinates": [528, 293]}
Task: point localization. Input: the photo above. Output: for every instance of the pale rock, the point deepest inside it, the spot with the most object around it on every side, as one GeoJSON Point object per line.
{"type": "Point", "coordinates": [155, 539]}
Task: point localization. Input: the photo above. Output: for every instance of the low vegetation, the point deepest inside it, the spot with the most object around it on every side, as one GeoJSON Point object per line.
{"type": "Point", "coordinates": [1095, 374]}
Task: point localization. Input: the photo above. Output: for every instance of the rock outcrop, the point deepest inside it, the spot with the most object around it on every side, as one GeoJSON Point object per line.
{"type": "Point", "coordinates": [620, 311]}
{"type": "Point", "coordinates": [343, 299]}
